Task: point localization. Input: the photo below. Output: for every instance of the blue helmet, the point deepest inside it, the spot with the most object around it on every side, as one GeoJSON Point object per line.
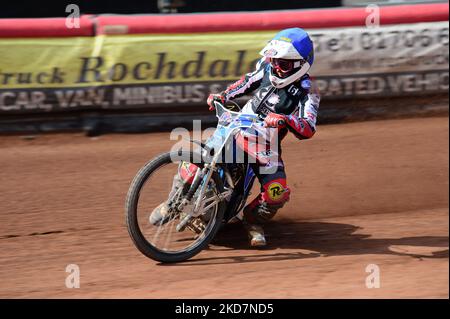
{"type": "Point", "coordinates": [295, 46]}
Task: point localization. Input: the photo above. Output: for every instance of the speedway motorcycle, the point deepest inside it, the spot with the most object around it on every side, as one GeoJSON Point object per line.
{"type": "Point", "coordinates": [196, 210]}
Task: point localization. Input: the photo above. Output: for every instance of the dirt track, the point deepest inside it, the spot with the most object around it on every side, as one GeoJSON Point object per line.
{"type": "Point", "coordinates": [363, 193]}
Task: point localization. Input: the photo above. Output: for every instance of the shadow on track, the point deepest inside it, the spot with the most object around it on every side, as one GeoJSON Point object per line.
{"type": "Point", "coordinates": [318, 239]}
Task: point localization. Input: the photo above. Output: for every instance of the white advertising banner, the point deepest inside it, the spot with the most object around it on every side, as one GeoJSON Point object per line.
{"type": "Point", "coordinates": [387, 60]}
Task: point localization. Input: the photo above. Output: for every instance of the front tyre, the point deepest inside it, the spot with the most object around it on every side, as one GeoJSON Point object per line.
{"type": "Point", "coordinates": [153, 184]}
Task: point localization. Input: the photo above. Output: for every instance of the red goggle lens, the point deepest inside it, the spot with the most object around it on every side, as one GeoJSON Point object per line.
{"type": "Point", "coordinates": [283, 65]}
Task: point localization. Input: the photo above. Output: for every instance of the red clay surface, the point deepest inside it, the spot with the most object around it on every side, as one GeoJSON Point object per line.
{"type": "Point", "coordinates": [363, 193]}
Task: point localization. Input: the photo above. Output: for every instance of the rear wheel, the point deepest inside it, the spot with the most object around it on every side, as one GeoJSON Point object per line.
{"type": "Point", "coordinates": [157, 182]}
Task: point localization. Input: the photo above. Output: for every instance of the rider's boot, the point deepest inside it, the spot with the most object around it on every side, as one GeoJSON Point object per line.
{"type": "Point", "coordinates": [257, 213]}
{"type": "Point", "coordinates": [256, 235]}
{"type": "Point", "coordinates": [185, 175]}
{"type": "Point", "coordinates": [161, 214]}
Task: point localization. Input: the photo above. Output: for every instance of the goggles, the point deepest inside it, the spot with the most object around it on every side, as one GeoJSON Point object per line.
{"type": "Point", "coordinates": [286, 65]}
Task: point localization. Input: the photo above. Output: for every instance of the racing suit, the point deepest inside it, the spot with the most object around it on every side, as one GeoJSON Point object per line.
{"type": "Point", "coordinates": [299, 103]}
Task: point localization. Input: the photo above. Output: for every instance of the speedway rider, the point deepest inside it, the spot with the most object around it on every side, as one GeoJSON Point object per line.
{"type": "Point", "coordinates": [286, 100]}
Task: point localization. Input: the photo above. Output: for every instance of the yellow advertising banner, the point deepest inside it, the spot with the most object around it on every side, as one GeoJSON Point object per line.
{"type": "Point", "coordinates": [127, 59]}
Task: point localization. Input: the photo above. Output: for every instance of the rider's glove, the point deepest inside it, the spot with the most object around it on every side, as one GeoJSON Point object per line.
{"type": "Point", "coordinates": [275, 120]}
{"type": "Point", "coordinates": [219, 97]}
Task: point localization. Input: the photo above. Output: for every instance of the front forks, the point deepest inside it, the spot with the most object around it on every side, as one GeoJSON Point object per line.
{"type": "Point", "coordinates": [190, 194]}
{"type": "Point", "coordinates": [202, 204]}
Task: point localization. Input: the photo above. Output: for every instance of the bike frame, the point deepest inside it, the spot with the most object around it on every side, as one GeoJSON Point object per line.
{"type": "Point", "coordinates": [230, 123]}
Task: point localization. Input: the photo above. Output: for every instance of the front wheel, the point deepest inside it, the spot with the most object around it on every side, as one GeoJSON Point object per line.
{"type": "Point", "coordinates": [158, 184]}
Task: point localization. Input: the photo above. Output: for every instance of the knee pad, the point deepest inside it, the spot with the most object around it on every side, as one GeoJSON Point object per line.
{"type": "Point", "coordinates": [276, 192]}
{"type": "Point", "coordinates": [263, 208]}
